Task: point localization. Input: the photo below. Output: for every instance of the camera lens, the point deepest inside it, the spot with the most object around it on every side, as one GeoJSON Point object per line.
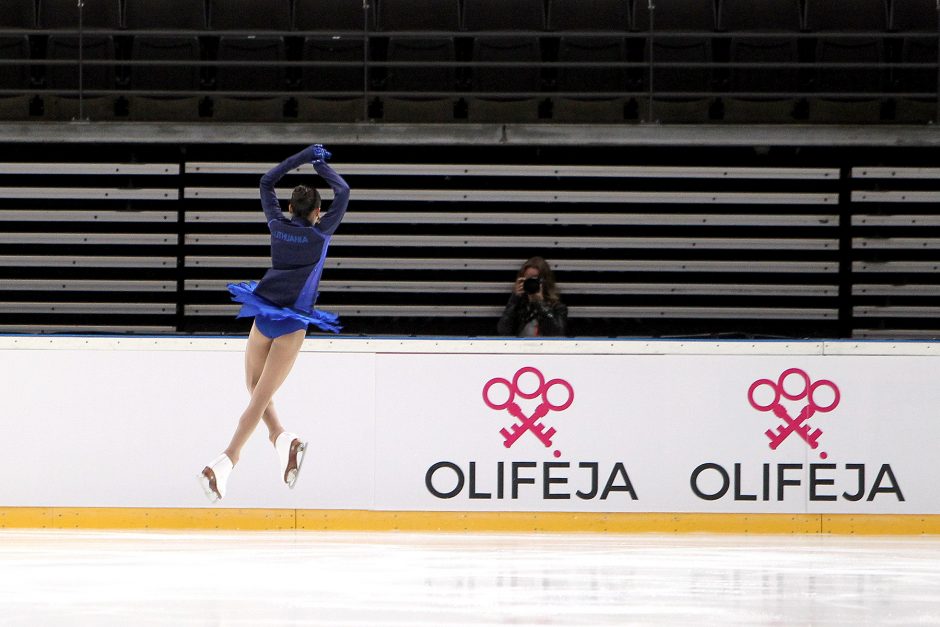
{"type": "Point", "coordinates": [531, 285]}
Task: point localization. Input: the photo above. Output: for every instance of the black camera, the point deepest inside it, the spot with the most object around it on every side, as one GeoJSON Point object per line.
{"type": "Point", "coordinates": [532, 285]}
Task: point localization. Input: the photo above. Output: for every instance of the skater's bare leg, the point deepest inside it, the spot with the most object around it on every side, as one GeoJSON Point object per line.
{"type": "Point", "coordinates": [259, 345]}
{"type": "Point", "coordinates": [281, 356]}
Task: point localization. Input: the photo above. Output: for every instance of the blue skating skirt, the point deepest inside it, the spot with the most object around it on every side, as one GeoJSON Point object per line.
{"type": "Point", "coordinates": [260, 307]}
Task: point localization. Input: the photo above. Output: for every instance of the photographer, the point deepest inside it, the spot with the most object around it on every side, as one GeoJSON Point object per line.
{"type": "Point", "coordinates": [534, 309]}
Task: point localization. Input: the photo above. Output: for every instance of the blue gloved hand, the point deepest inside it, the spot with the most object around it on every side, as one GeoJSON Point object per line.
{"type": "Point", "coordinates": [320, 153]}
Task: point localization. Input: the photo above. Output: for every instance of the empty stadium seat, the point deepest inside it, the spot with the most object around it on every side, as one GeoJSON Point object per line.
{"type": "Point", "coordinates": [317, 77]}
{"type": "Point", "coordinates": [166, 79]}
{"type": "Point", "coordinates": [772, 15]}
{"type": "Point", "coordinates": [777, 16]}
{"type": "Point", "coordinates": [846, 15]}
{"type": "Point", "coordinates": [680, 80]}
{"type": "Point", "coordinates": [867, 17]}
{"type": "Point", "coordinates": [420, 79]}
{"type": "Point", "coordinates": [503, 15]}
{"type": "Point", "coordinates": [103, 14]}
{"type": "Point", "coordinates": [268, 78]}
{"type": "Point", "coordinates": [675, 15]}
{"type": "Point", "coordinates": [913, 15]}
{"type": "Point", "coordinates": [590, 15]}
{"type": "Point", "coordinates": [18, 14]}
{"type": "Point", "coordinates": [609, 15]}
{"type": "Point", "coordinates": [919, 18]}
{"type": "Point", "coordinates": [65, 78]}
{"type": "Point", "coordinates": [441, 15]}
{"type": "Point", "coordinates": [169, 15]}
{"type": "Point", "coordinates": [671, 17]}
{"type": "Point", "coordinates": [587, 80]}
{"type": "Point", "coordinates": [249, 15]}
{"type": "Point", "coordinates": [164, 14]}
{"type": "Point", "coordinates": [771, 79]}
{"type": "Point", "coordinates": [524, 78]}
{"type": "Point", "coordinates": [15, 107]}
{"type": "Point", "coordinates": [318, 15]}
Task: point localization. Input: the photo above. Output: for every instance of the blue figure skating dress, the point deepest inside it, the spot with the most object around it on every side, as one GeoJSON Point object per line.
{"type": "Point", "coordinates": [271, 317]}
{"type": "Point", "coordinates": [282, 302]}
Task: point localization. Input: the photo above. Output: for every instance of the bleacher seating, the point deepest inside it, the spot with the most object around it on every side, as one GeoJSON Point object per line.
{"type": "Point", "coordinates": [80, 259]}
{"type": "Point", "coordinates": [763, 257]}
{"type": "Point", "coordinates": [626, 256]}
{"type": "Point", "coordinates": [428, 247]}
{"type": "Point", "coordinates": [896, 252]}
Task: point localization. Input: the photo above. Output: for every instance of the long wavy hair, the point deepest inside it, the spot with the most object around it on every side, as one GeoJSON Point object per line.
{"type": "Point", "coordinates": [549, 289]}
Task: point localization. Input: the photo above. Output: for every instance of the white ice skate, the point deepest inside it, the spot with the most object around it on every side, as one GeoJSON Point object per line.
{"type": "Point", "coordinates": [291, 452]}
{"type": "Point", "coordinates": [214, 477]}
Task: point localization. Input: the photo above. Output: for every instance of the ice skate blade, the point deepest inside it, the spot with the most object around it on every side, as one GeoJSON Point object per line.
{"type": "Point", "coordinates": [206, 486]}
{"type": "Point", "coordinates": [292, 475]}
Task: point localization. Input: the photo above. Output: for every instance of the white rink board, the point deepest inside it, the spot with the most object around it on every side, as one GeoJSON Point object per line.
{"type": "Point", "coordinates": [661, 417]}
{"type": "Point", "coordinates": [103, 428]}
{"type": "Point", "coordinates": [101, 422]}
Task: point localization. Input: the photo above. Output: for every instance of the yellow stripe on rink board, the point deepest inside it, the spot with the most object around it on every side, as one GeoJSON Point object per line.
{"type": "Point", "coordinates": [555, 522]}
{"type": "Point", "coordinates": [147, 518]}
{"type": "Point", "coordinates": [131, 518]}
{"type": "Point", "coordinates": [882, 524]}
{"type": "Point", "coordinates": [26, 517]}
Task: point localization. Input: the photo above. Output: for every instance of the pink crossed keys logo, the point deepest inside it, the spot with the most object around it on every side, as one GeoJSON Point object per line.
{"type": "Point", "coordinates": [527, 423]}
{"type": "Point", "coordinates": [796, 425]}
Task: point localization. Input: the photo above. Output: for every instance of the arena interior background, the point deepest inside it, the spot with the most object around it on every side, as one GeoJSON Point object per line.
{"type": "Point", "coordinates": [692, 169]}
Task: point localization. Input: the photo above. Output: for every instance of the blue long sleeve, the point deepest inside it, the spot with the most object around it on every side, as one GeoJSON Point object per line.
{"type": "Point", "coordinates": [329, 221]}
{"type": "Point", "coordinates": [269, 200]}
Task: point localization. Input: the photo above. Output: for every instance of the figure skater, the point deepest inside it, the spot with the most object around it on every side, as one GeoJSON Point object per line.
{"type": "Point", "coordinates": [282, 307]}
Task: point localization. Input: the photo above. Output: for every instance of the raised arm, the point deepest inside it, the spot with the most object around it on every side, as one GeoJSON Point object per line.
{"type": "Point", "coordinates": [330, 220]}
{"type": "Point", "coordinates": [269, 201]}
